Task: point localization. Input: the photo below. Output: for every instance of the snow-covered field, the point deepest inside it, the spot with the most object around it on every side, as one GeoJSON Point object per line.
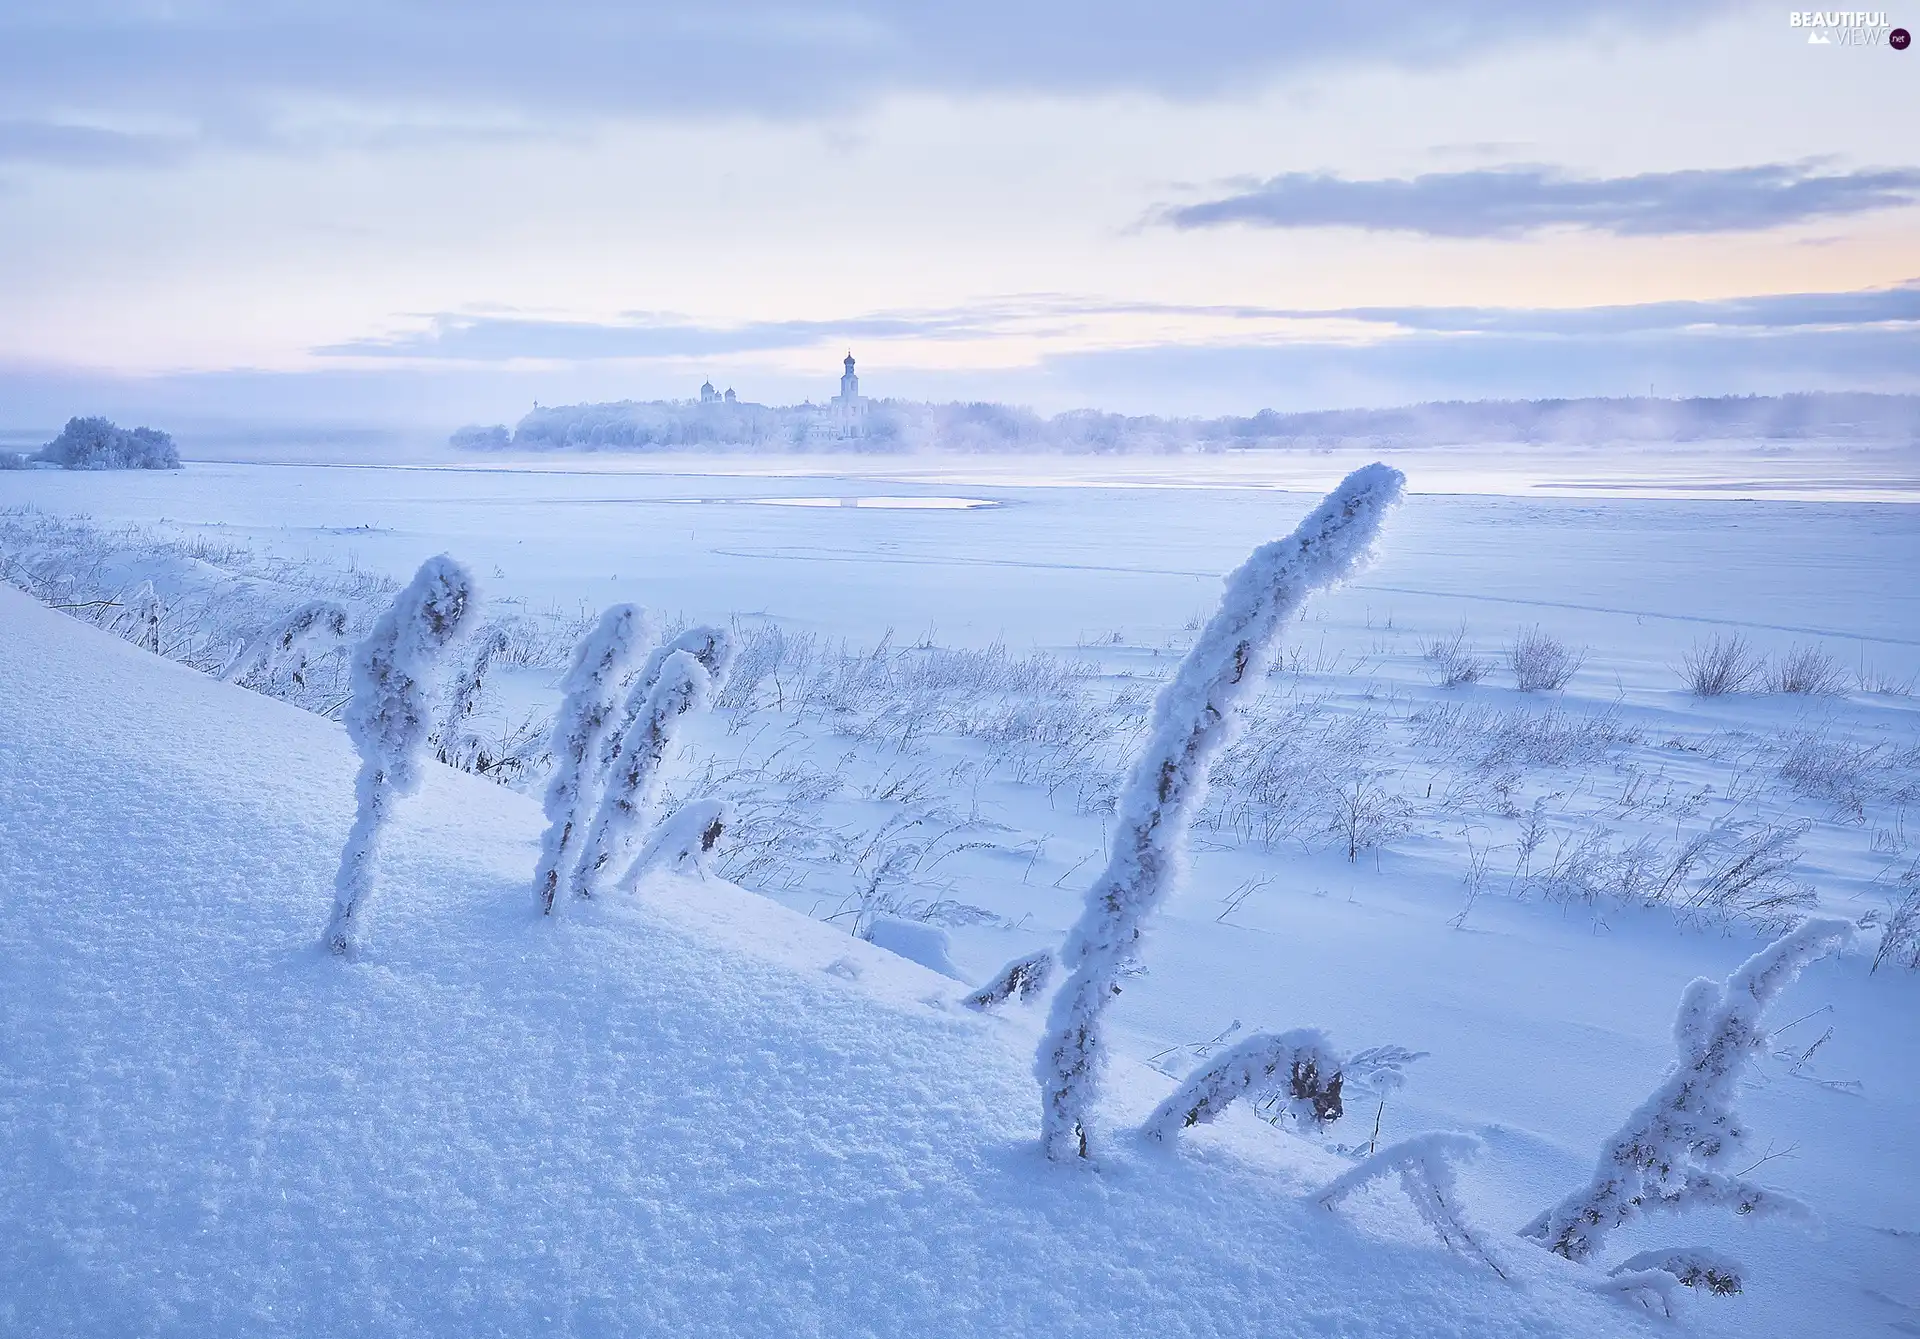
{"type": "Point", "coordinates": [671, 1113]}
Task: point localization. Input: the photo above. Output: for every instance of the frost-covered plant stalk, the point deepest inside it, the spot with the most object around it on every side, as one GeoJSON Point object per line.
{"type": "Point", "coordinates": [1195, 717]}
{"type": "Point", "coordinates": [681, 686]}
{"type": "Point", "coordinates": [714, 648]}
{"type": "Point", "coordinates": [147, 613]}
{"type": "Point", "coordinates": [1674, 1151]}
{"type": "Point", "coordinates": [683, 841]}
{"type": "Point", "coordinates": [286, 647]}
{"type": "Point", "coordinates": [1022, 979]}
{"type": "Point", "coordinates": [1298, 1069]}
{"type": "Point", "coordinates": [588, 693]}
{"type": "Point", "coordinates": [1424, 1165]}
{"type": "Point", "coordinates": [388, 720]}
{"type": "Point", "coordinates": [455, 742]}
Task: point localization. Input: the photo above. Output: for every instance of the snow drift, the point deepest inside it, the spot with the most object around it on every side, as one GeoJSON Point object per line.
{"type": "Point", "coordinates": [685, 1112]}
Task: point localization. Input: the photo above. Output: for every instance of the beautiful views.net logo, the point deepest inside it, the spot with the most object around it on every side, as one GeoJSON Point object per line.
{"type": "Point", "coordinates": [1849, 27]}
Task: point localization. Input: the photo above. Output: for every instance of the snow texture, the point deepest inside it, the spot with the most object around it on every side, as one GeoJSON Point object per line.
{"type": "Point", "coordinates": [587, 703]}
{"type": "Point", "coordinates": [681, 686]}
{"type": "Point", "coordinates": [283, 651]}
{"type": "Point", "coordinates": [1424, 1165]}
{"type": "Point", "coordinates": [1195, 717]}
{"type": "Point", "coordinates": [1673, 1152]}
{"type": "Point", "coordinates": [916, 941]}
{"type": "Point", "coordinates": [388, 720]}
{"type": "Point", "coordinates": [683, 842]}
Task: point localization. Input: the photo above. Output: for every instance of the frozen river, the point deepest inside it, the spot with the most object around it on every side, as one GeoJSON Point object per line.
{"type": "Point", "coordinates": [1638, 579]}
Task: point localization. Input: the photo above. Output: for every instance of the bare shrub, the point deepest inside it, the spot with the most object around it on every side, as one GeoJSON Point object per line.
{"type": "Point", "coordinates": [1454, 663]}
{"type": "Point", "coordinates": [1725, 663]}
{"type": "Point", "coordinates": [1807, 669]}
{"type": "Point", "coordinates": [1541, 662]}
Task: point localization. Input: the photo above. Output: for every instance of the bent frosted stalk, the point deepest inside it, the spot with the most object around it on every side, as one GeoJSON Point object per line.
{"type": "Point", "coordinates": [681, 686]}
{"type": "Point", "coordinates": [579, 730]}
{"type": "Point", "coordinates": [1195, 717]}
{"type": "Point", "coordinates": [388, 719]}
{"type": "Point", "coordinates": [1674, 1151]}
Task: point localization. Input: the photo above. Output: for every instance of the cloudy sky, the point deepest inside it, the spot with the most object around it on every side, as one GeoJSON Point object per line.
{"type": "Point", "coordinates": [432, 211]}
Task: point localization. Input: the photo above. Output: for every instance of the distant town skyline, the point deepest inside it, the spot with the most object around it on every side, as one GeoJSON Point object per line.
{"type": "Point", "coordinates": [394, 214]}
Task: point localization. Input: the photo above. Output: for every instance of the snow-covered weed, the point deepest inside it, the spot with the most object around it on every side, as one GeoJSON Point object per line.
{"type": "Point", "coordinates": [1542, 662]}
{"type": "Point", "coordinates": [1807, 669]}
{"type": "Point", "coordinates": [1454, 662]}
{"type": "Point", "coordinates": [388, 720]}
{"type": "Point", "coordinates": [1725, 663]}
{"type": "Point", "coordinates": [1424, 1167]}
{"type": "Point", "coordinates": [1196, 716]}
{"type": "Point", "coordinates": [1678, 1149]}
{"type": "Point", "coordinates": [1900, 933]}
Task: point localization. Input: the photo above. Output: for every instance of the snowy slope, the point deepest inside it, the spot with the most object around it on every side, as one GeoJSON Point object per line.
{"type": "Point", "coordinates": [688, 1113]}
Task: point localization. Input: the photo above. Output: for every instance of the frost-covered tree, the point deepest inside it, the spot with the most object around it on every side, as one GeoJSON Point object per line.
{"type": "Point", "coordinates": [1673, 1153]}
{"type": "Point", "coordinates": [288, 645]}
{"type": "Point", "coordinates": [98, 444]}
{"type": "Point", "coordinates": [589, 692]}
{"type": "Point", "coordinates": [681, 686]}
{"type": "Point", "coordinates": [388, 719]}
{"type": "Point", "coordinates": [1424, 1165]}
{"type": "Point", "coordinates": [1298, 1071]}
{"type": "Point", "coordinates": [1195, 717]}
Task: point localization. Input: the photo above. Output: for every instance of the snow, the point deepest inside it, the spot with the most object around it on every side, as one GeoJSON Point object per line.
{"type": "Point", "coordinates": [688, 1112]}
{"type": "Point", "coordinates": [1546, 1015]}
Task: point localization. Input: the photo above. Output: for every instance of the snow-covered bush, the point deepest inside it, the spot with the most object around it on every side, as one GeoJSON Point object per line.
{"type": "Point", "coordinates": [12, 460]}
{"type": "Point", "coordinates": [1424, 1166]}
{"type": "Point", "coordinates": [1807, 669]}
{"type": "Point", "coordinates": [1721, 665]}
{"type": "Point", "coordinates": [388, 720]}
{"type": "Point", "coordinates": [1296, 1076]}
{"type": "Point", "coordinates": [283, 652]}
{"type": "Point", "coordinates": [1022, 979]}
{"type": "Point", "coordinates": [1454, 662]}
{"type": "Point", "coordinates": [1673, 1153]}
{"type": "Point", "coordinates": [1542, 662]}
{"type": "Point", "coordinates": [97, 444]}
{"type": "Point", "coordinates": [1195, 716]}
{"type": "Point", "coordinates": [589, 690]}
{"type": "Point", "coordinates": [680, 685]}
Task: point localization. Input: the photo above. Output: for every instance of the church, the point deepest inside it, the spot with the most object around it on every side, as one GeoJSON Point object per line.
{"type": "Point", "coordinates": [849, 407]}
